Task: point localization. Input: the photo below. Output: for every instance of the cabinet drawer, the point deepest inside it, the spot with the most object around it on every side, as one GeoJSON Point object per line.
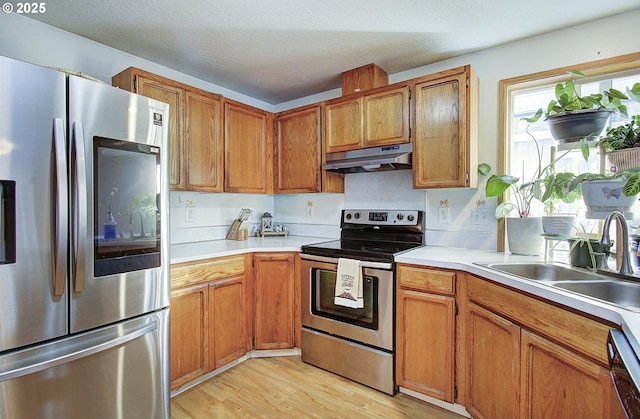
{"type": "Point", "coordinates": [434, 280]}
{"type": "Point", "coordinates": [573, 330]}
{"type": "Point", "coordinates": [207, 270]}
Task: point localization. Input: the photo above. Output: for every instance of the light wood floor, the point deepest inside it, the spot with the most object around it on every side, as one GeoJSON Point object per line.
{"type": "Point", "coordinates": [285, 387]}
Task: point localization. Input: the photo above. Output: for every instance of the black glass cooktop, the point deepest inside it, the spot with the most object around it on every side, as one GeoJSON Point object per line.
{"type": "Point", "coordinates": [359, 249]}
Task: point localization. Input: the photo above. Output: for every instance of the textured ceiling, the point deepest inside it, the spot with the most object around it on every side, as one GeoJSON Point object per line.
{"type": "Point", "coordinates": [278, 50]}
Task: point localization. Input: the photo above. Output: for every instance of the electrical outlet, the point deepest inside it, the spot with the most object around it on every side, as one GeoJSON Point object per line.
{"type": "Point", "coordinates": [310, 212]}
{"type": "Point", "coordinates": [189, 215]}
{"type": "Point", "coordinates": [444, 215]}
{"type": "Point", "coordinates": [480, 216]}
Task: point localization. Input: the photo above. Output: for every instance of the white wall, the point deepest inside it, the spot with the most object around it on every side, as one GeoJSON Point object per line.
{"type": "Point", "coordinates": [32, 41]}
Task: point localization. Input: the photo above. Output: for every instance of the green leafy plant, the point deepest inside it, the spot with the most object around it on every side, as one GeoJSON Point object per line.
{"type": "Point", "coordinates": [544, 185]}
{"type": "Point", "coordinates": [567, 99]}
{"type": "Point", "coordinates": [622, 137]}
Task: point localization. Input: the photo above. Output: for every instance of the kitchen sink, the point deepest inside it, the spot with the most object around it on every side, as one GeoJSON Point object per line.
{"type": "Point", "coordinates": [621, 293]}
{"type": "Point", "coordinates": [542, 271]}
{"type": "Point", "coordinates": [614, 288]}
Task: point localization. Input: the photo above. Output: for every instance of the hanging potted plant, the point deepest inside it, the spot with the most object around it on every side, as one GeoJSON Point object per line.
{"type": "Point", "coordinates": [572, 117]}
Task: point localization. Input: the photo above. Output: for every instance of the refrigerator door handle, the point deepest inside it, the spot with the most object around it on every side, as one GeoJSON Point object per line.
{"type": "Point", "coordinates": [45, 358]}
{"type": "Point", "coordinates": [62, 208]}
{"type": "Point", "coordinates": [79, 170]}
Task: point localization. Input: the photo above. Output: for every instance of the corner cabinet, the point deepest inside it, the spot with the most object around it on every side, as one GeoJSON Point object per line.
{"type": "Point", "coordinates": [195, 129]}
{"type": "Point", "coordinates": [380, 117]}
{"type": "Point", "coordinates": [248, 164]}
{"type": "Point", "coordinates": [425, 330]}
{"type": "Point", "coordinates": [445, 149]}
{"type": "Point", "coordinates": [297, 151]}
{"type": "Point", "coordinates": [274, 292]}
{"type": "Point", "coordinates": [209, 316]}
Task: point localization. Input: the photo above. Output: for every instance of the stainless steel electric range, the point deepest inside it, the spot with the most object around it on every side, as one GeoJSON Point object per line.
{"type": "Point", "coordinates": [357, 343]}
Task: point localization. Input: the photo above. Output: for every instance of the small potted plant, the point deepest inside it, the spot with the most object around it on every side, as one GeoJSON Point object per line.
{"type": "Point", "coordinates": [572, 117]}
{"type": "Point", "coordinates": [585, 251]}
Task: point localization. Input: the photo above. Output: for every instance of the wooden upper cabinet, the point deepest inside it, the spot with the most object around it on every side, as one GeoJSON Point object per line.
{"type": "Point", "coordinates": [204, 144]}
{"type": "Point", "coordinates": [297, 151]}
{"type": "Point", "coordinates": [248, 149]}
{"type": "Point", "coordinates": [195, 154]}
{"type": "Point", "coordinates": [363, 78]}
{"type": "Point", "coordinates": [381, 117]}
{"type": "Point", "coordinates": [386, 117]}
{"type": "Point", "coordinates": [445, 152]}
{"type": "Point", "coordinates": [343, 125]}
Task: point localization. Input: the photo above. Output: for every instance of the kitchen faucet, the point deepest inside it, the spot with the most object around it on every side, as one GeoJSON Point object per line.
{"type": "Point", "coordinates": [141, 223]}
{"type": "Point", "coordinates": [625, 266]}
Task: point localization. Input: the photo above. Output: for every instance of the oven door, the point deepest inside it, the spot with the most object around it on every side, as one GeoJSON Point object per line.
{"type": "Point", "coordinates": [371, 325]}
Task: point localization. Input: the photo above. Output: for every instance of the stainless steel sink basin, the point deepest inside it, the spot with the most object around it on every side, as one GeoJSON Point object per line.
{"type": "Point", "coordinates": [542, 271]}
{"type": "Point", "coordinates": [621, 293]}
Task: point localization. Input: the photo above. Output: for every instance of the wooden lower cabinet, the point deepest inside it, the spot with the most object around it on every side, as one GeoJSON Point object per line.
{"type": "Point", "coordinates": [209, 317]}
{"type": "Point", "coordinates": [493, 365]}
{"type": "Point", "coordinates": [188, 334]}
{"type": "Point", "coordinates": [515, 372]}
{"type": "Point", "coordinates": [227, 320]}
{"type": "Point", "coordinates": [425, 331]}
{"type": "Point", "coordinates": [274, 300]}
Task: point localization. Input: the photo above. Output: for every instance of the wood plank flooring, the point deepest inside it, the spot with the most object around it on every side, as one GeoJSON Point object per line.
{"type": "Point", "coordinates": [285, 387]}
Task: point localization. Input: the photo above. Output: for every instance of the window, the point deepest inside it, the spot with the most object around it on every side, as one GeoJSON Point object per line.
{"type": "Point", "coordinates": [523, 96]}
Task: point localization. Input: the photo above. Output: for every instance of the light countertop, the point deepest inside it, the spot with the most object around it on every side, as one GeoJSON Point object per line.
{"type": "Point", "coordinates": [442, 257]}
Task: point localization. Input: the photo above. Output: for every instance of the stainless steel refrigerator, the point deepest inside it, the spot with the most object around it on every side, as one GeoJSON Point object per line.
{"type": "Point", "coordinates": [84, 260]}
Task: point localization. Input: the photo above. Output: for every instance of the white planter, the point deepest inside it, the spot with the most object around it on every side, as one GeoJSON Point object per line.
{"type": "Point", "coordinates": [525, 236]}
{"type": "Point", "coordinates": [558, 225]}
{"type": "Point", "coordinates": [603, 196]}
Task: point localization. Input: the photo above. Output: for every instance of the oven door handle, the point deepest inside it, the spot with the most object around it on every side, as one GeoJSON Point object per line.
{"type": "Point", "coordinates": [363, 263]}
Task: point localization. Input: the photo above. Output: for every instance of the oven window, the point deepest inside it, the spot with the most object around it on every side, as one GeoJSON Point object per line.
{"type": "Point", "coordinates": [126, 206]}
{"type": "Point", "coordinates": [323, 285]}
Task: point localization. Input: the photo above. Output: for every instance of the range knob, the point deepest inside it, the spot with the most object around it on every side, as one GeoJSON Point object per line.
{"type": "Point", "coordinates": [348, 216]}
{"type": "Point", "coordinates": [411, 217]}
{"type": "Point", "coordinates": [356, 215]}
{"type": "Point", "coordinates": [400, 216]}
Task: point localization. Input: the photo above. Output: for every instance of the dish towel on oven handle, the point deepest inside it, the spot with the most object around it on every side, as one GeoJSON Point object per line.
{"type": "Point", "coordinates": [349, 284]}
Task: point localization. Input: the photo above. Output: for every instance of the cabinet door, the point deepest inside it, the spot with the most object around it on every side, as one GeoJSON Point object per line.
{"type": "Point", "coordinates": [274, 301]}
{"type": "Point", "coordinates": [343, 125]}
{"type": "Point", "coordinates": [188, 334]}
{"type": "Point", "coordinates": [493, 365]}
{"type": "Point", "coordinates": [175, 98]}
{"type": "Point", "coordinates": [227, 320]}
{"type": "Point", "coordinates": [425, 343]}
{"type": "Point", "coordinates": [386, 117]}
{"type": "Point", "coordinates": [248, 154]}
{"type": "Point", "coordinates": [204, 144]}
{"type": "Point", "coordinates": [559, 384]}
{"type": "Point", "coordinates": [445, 139]}
{"type": "Point", "coordinates": [297, 151]}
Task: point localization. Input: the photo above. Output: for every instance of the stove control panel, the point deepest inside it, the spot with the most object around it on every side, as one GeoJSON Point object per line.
{"type": "Point", "coordinates": [381, 218]}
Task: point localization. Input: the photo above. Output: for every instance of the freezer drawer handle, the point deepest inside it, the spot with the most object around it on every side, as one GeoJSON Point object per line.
{"type": "Point", "coordinates": [62, 208]}
{"type": "Point", "coordinates": [47, 360]}
{"type": "Point", "coordinates": [79, 236]}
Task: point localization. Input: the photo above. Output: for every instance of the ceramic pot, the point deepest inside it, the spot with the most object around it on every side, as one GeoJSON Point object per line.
{"type": "Point", "coordinates": [603, 196]}
{"type": "Point", "coordinates": [584, 123]}
{"type": "Point", "coordinates": [580, 255]}
{"type": "Point", "coordinates": [558, 225]}
{"type": "Point", "coordinates": [525, 236]}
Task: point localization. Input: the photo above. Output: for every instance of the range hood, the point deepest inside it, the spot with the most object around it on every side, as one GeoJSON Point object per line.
{"type": "Point", "coordinates": [375, 159]}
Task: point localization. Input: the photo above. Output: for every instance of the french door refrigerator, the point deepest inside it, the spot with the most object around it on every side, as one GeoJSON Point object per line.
{"type": "Point", "coordinates": [84, 261]}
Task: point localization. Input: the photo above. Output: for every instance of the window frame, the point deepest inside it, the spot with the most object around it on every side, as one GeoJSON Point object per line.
{"type": "Point", "coordinates": [507, 86]}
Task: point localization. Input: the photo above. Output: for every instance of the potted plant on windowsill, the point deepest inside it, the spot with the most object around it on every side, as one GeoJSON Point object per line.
{"type": "Point", "coordinates": [622, 143]}
{"type": "Point", "coordinates": [585, 251]}
{"type": "Point", "coordinates": [525, 232]}
{"type": "Point", "coordinates": [572, 117]}
{"type": "Point", "coordinates": [603, 193]}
